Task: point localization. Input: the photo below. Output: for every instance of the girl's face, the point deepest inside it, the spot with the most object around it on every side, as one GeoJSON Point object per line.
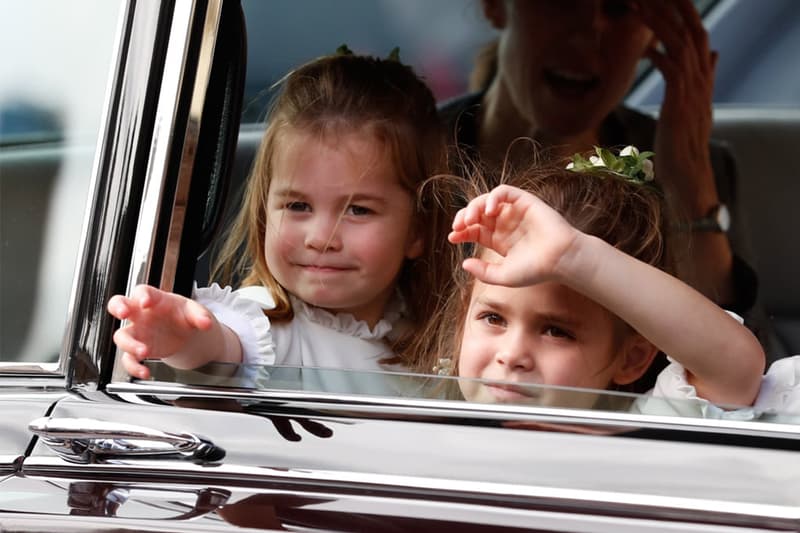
{"type": "Point", "coordinates": [567, 63]}
{"type": "Point", "coordinates": [339, 224]}
{"type": "Point", "coordinates": [543, 334]}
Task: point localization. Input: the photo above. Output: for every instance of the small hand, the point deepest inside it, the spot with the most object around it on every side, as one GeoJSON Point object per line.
{"type": "Point", "coordinates": [530, 237]}
{"type": "Point", "coordinates": [159, 325]}
{"type": "Point", "coordinates": [685, 120]}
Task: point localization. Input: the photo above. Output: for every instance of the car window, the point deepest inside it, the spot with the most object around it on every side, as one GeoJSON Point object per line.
{"type": "Point", "coordinates": [53, 76]}
{"type": "Point", "coordinates": [439, 39]}
{"type": "Point", "coordinates": [456, 31]}
{"type": "Point", "coordinates": [757, 44]}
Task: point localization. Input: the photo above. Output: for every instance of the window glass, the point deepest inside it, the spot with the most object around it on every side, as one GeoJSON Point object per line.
{"type": "Point", "coordinates": [56, 59]}
{"type": "Point", "coordinates": [439, 39]}
{"type": "Point", "coordinates": [430, 387]}
{"type": "Point", "coordinates": [756, 42]}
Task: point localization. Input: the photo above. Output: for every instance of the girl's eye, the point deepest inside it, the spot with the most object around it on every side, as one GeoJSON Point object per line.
{"type": "Point", "coordinates": [300, 207]}
{"type": "Point", "coordinates": [492, 319]}
{"type": "Point", "coordinates": [555, 331]}
{"type": "Point", "coordinates": [358, 210]}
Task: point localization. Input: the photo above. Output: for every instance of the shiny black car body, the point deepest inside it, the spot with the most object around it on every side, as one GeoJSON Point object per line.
{"type": "Point", "coordinates": [85, 449]}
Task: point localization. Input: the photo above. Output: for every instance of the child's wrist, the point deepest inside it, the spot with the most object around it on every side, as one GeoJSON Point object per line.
{"type": "Point", "coordinates": [572, 261]}
{"type": "Point", "coordinates": [579, 261]}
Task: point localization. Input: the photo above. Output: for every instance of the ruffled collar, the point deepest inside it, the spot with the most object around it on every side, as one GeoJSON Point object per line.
{"type": "Point", "coordinates": [347, 323]}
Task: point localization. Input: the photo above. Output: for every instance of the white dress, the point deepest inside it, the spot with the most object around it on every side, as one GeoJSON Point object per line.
{"type": "Point", "coordinates": [778, 399]}
{"type": "Point", "coordinates": [314, 338]}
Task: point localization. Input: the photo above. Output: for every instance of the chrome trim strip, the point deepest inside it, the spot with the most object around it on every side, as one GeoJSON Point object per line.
{"type": "Point", "coordinates": [45, 369]}
{"type": "Point", "coordinates": [163, 129]}
{"type": "Point", "coordinates": [125, 152]}
{"type": "Point", "coordinates": [577, 500]}
{"type": "Point", "coordinates": [416, 407]}
{"type": "Point", "coordinates": [163, 134]}
{"type": "Point", "coordinates": [203, 75]}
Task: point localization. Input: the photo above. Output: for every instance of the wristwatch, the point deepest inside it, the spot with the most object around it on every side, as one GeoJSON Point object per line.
{"type": "Point", "coordinates": [717, 219]}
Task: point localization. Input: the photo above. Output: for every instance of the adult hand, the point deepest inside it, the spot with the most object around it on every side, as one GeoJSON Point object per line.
{"type": "Point", "coordinates": [680, 50]}
{"type": "Point", "coordinates": [160, 324]}
{"type": "Point", "coordinates": [530, 237]}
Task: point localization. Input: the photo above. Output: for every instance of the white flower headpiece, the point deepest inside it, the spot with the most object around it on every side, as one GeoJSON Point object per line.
{"type": "Point", "coordinates": [630, 165]}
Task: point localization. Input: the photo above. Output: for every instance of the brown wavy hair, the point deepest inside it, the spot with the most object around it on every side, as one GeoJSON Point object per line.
{"type": "Point", "coordinates": [634, 218]}
{"type": "Point", "coordinates": [330, 96]}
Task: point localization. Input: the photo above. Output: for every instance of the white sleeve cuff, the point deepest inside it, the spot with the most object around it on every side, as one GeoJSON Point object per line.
{"type": "Point", "coordinates": [245, 317]}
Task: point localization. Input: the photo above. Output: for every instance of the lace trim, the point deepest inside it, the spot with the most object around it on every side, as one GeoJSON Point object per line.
{"type": "Point", "coordinates": [675, 380]}
{"type": "Point", "coordinates": [780, 387]}
{"type": "Point", "coordinates": [245, 317]}
{"type": "Point", "coordinates": [347, 323]}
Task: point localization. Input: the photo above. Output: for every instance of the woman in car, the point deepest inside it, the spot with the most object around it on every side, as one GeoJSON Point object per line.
{"type": "Point", "coordinates": [558, 73]}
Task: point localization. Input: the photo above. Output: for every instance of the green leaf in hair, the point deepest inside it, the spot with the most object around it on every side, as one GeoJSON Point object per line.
{"type": "Point", "coordinates": [630, 165]}
{"type": "Point", "coordinates": [343, 50]}
{"type": "Point", "coordinates": [394, 55]}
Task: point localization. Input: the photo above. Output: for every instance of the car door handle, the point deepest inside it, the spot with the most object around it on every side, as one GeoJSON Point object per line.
{"type": "Point", "coordinates": [87, 440]}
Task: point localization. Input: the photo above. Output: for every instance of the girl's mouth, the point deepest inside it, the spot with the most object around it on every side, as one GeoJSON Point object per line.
{"type": "Point", "coordinates": [570, 84]}
{"type": "Point", "coordinates": [512, 393]}
{"type": "Point", "coordinates": [325, 268]}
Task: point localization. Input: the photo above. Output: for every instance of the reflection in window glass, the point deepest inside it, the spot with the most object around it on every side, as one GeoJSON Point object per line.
{"type": "Point", "coordinates": [56, 61]}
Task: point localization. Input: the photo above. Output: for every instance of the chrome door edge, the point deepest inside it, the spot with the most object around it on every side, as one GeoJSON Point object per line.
{"type": "Point", "coordinates": [609, 503]}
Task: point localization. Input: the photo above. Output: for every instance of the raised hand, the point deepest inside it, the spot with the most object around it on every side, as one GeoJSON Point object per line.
{"type": "Point", "coordinates": [530, 238]}
{"type": "Point", "coordinates": [680, 50]}
{"type": "Point", "coordinates": [160, 325]}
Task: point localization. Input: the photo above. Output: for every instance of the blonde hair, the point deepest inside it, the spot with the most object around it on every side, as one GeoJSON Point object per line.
{"type": "Point", "coordinates": [339, 94]}
{"type": "Point", "coordinates": [634, 218]}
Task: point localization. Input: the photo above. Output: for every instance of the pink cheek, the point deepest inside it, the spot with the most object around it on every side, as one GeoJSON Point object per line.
{"type": "Point", "coordinates": [472, 362]}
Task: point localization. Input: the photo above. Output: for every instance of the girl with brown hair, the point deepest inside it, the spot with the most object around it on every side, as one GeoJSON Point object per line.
{"type": "Point", "coordinates": [340, 258]}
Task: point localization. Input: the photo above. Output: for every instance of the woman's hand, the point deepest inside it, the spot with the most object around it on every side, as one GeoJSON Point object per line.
{"type": "Point", "coordinates": [530, 237]}
{"type": "Point", "coordinates": [680, 50]}
{"type": "Point", "coordinates": [160, 324]}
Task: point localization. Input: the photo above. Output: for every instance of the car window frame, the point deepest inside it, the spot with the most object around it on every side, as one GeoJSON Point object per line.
{"type": "Point", "coordinates": [143, 263]}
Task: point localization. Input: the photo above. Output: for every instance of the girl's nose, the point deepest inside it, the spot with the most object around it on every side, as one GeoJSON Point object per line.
{"type": "Point", "coordinates": [323, 234]}
{"type": "Point", "coordinates": [516, 355]}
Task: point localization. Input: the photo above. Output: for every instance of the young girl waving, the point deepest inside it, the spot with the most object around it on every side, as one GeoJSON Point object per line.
{"type": "Point", "coordinates": [338, 254]}
{"type": "Point", "coordinates": [569, 290]}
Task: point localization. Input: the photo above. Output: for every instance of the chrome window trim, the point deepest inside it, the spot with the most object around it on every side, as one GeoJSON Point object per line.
{"type": "Point", "coordinates": [382, 406]}
{"type": "Point", "coordinates": [125, 150]}
{"type": "Point", "coordinates": [163, 134]}
{"type": "Point", "coordinates": [160, 150]}
{"type": "Point", "coordinates": [202, 77]}
{"type": "Point", "coordinates": [49, 369]}
{"type": "Point", "coordinates": [582, 501]}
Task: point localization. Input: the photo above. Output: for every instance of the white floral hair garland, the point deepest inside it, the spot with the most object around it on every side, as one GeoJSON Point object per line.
{"type": "Point", "coordinates": [630, 165]}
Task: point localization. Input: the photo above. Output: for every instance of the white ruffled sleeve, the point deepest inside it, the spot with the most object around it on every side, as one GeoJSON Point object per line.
{"type": "Point", "coordinates": [779, 393]}
{"type": "Point", "coordinates": [243, 312]}
{"type": "Point", "coordinates": [780, 388]}
{"type": "Point", "coordinates": [673, 391]}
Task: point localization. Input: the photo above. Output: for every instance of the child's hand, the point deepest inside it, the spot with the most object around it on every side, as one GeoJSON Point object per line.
{"type": "Point", "coordinates": [160, 324]}
{"type": "Point", "coordinates": [531, 237]}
